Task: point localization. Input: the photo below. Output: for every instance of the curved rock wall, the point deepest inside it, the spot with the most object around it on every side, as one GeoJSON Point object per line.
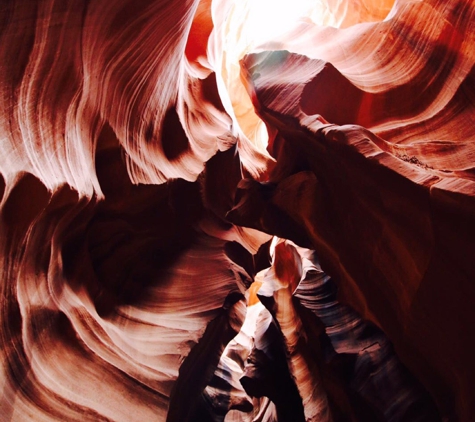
{"type": "Point", "coordinates": [137, 208]}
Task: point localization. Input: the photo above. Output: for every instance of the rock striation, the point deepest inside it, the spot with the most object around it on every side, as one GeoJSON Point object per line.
{"type": "Point", "coordinates": [284, 232]}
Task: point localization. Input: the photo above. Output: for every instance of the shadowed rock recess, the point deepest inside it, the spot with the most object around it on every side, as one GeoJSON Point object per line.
{"type": "Point", "coordinates": [284, 232]}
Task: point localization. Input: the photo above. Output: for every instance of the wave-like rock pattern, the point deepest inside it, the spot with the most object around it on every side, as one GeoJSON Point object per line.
{"type": "Point", "coordinates": [138, 280]}
{"type": "Point", "coordinates": [393, 229]}
{"type": "Point", "coordinates": [96, 322]}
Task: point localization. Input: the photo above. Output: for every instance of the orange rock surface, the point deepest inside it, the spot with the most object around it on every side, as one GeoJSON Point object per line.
{"type": "Point", "coordinates": [200, 225]}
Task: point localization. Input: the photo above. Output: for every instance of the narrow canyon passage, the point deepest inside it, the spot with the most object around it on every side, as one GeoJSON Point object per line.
{"type": "Point", "coordinates": [225, 210]}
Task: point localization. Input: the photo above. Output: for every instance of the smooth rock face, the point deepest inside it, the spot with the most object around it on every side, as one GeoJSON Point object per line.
{"type": "Point", "coordinates": [159, 264]}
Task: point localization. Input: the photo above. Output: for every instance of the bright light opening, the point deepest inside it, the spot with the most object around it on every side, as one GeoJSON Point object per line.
{"type": "Point", "coordinates": [248, 24]}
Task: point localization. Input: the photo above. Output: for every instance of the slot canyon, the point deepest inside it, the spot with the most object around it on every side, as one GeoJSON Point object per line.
{"type": "Point", "coordinates": [237, 210]}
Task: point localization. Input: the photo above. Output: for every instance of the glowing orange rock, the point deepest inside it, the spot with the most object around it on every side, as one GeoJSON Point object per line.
{"type": "Point", "coordinates": [137, 199]}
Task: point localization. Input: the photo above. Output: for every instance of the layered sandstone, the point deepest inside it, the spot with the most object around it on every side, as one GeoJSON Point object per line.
{"type": "Point", "coordinates": [284, 231]}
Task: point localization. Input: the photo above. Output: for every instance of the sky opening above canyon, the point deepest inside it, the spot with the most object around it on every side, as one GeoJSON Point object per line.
{"type": "Point", "coordinates": [253, 25]}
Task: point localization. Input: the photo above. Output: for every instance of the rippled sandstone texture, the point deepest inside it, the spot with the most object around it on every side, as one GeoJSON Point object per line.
{"type": "Point", "coordinates": [137, 215]}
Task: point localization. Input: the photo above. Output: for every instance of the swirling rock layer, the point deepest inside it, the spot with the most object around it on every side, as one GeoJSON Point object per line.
{"type": "Point", "coordinates": [136, 212]}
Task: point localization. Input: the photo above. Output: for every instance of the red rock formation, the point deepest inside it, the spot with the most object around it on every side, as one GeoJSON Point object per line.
{"type": "Point", "coordinates": [137, 204]}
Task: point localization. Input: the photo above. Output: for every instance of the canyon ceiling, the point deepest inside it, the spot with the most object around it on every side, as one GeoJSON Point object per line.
{"type": "Point", "coordinates": [199, 223]}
